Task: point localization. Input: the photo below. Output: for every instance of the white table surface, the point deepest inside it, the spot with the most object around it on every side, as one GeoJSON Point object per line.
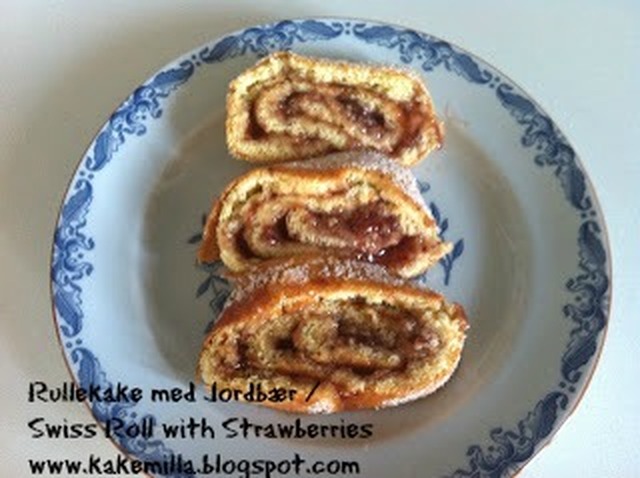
{"type": "Point", "coordinates": [64, 66]}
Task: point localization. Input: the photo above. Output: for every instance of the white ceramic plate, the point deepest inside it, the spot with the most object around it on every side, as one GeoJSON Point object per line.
{"type": "Point", "coordinates": [531, 263]}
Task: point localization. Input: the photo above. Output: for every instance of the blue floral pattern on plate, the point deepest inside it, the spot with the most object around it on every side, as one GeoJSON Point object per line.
{"type": "Point", "coordinates": [447, 261]}
{"type": "Point", "coordinates": [508, 447]}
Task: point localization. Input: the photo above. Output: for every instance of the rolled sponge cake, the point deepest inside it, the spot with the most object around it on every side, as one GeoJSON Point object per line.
{"type": "Point", "coordinates": [291, 107]}
{"type": "Point", "coordinates": [347, 331]}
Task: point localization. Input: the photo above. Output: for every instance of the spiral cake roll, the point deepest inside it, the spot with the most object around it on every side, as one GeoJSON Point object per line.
{"type": "Point", "coordinates": [352, 205]}
{"type": "Point", "coordinates": [290, 107]}
{"type": "Point", "coordinates": [342, 334]}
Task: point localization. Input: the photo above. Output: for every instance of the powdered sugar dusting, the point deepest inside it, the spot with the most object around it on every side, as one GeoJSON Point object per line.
{"type": "Point", "coordinates": [268, 273]}
{"type": "Point", "coordinates": [303, 270]}
{"type": "Point", "coordinates": [354, 270]}
{"type": "Point", "coordinates": [320, 407]}
{"type": "Point", "coordinates": [366, 160]}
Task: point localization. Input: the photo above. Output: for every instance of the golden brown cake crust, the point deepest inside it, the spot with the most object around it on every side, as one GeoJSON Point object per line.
{"type": "Point", "coordinates": [290, 107]}
{"type": "Point", "coordinates": [362, 338]}
{"type": "Point", "coordinates": [353, 205]}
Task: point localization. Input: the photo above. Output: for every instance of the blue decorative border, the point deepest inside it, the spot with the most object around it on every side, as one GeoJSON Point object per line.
{"type": "Point", "coordinates": [214, 282]}
{"type": "Point", "coordinates": [71, 245]}
{"type": "Point", "coordinates": [589, 287]}
{"type": "Point", "coordinates": [443, 223]}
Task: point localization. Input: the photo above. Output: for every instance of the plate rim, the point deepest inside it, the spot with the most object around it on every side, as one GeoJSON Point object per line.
{"type": "Point", "coordinates": [592, 361]}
